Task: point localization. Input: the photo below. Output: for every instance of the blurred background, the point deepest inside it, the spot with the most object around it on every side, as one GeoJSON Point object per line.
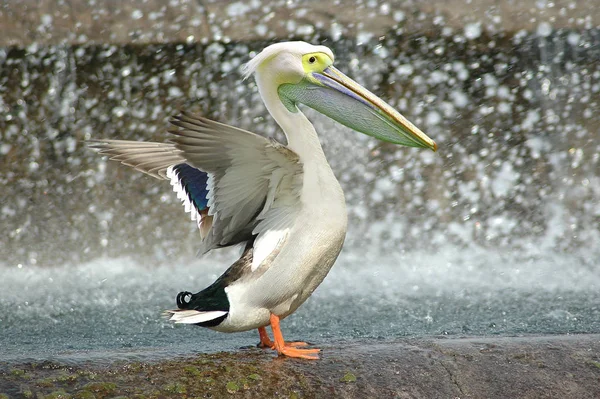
{"type": "Point", "coordinates": [496, 233]}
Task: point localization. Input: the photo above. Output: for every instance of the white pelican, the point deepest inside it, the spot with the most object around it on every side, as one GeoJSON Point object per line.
{"type": "Point", "coordinates": [282, 202]}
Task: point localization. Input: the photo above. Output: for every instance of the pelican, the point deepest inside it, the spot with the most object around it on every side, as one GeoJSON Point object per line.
{"type": "Point", "coordinates": [282, 203]}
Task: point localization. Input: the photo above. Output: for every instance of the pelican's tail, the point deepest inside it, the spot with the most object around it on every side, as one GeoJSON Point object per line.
{"type": "Point", "coordinates": [203, 309]}
{"type": "Point", "coordinates": [185, 316]}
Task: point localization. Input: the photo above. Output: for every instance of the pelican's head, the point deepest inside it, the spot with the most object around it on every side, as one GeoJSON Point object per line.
{"type": "Point", "coordinates": [305, 74]}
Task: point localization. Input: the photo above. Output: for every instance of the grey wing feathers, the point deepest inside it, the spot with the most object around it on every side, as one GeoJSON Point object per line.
{"type": "Point", "coordinates": [242, 166]}
{"type": "Point", "coordinates": [151, 158]}
{"type": "Point", "coordinates": [253, 185]}
{"type": "Point", "coordinates": [212, 146]}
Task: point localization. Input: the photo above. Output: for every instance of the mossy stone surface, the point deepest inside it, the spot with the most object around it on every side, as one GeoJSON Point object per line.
{"type": "Point", "coordinates": [471, 367]}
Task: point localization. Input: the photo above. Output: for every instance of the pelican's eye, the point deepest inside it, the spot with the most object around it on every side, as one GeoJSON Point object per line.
{"type": "Point", "coordinates": [316, 62]}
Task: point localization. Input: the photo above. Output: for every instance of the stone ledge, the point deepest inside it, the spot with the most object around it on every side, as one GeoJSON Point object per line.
{"type": "Point", "coordinates": [497, 367]}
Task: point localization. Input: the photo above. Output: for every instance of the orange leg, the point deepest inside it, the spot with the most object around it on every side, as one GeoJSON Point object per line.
{"type": "Point", "coordinates": [290, 349]}
{"type": "Point", "coordinates": [265, 341]}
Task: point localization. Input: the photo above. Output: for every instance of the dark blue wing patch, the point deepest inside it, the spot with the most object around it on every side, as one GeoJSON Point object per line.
{"type": "Point", "coordinates": [195, 184]}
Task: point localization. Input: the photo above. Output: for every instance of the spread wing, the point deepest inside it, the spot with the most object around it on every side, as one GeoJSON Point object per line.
{"type": "Point", "coordinates": [151, 158]}
{"type": "Point", "coordinates": [236, 184]}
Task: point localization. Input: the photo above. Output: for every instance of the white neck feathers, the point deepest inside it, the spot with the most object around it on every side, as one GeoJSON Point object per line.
{"type": "Point", "coordinates": [300, 133]}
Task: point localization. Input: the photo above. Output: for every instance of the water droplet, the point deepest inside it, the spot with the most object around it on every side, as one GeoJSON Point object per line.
{"type": "Point", "coordinates": [472, 30]}
{"type": "Point", "coordinates": [136, 14]}
{"type": "Point", "coordinates": [544, 29]}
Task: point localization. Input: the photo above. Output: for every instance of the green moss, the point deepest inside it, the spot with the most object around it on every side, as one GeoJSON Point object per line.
{"type": "Point", "coordinates": [594, 363]}
{"type": "Point", "coordinates": [175, 388]}
{"type": "Point", "coordinates": [20, 373]}
{"type": "Point", "coordinates": [134, 367]}
{"type": "Point", "coordinates": [27, 393]}
{"type": "Point", "coordinates": [4, 396]}
{"type": "Point", "coordinates": [66, 378]}
{"type": "Point", "coordinates": [222, 376]}
{"type": "Point", "coordinates": [87, 374]}
{"type": "Point", "coordinates": [245, 382]}
{"type": "Point", "coordinates": [232, 387]}
{"type": "Point", "coordinates": [193, 371]}
{"type": "Point", "coordinates": [103, 388]}
{"type": "Point", "coordinates": [348, 377]}
{"type": "Point", "coordinates": [60, 394]}
{"type": "Point", "coordinates": [45, 383]}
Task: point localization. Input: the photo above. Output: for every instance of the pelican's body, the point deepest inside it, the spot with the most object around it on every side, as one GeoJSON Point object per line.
{"type": "Point", "coordinates": [282, 202]}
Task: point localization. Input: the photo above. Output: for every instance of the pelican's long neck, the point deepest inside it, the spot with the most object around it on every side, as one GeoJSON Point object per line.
{"type": "Point", "coordinates": [320, 185]}
{"type": "Point", "coordinates": [300, 133]}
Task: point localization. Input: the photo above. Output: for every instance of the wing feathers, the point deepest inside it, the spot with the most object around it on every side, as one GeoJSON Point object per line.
{"type": "Point", "coordinates": [147, 157]}
{"type": "Point", "coordinates": [242, 166]}
{"type": "Point", "coordinates": [190, 184]}
{"type": "Point", "coordinates": [252, 186]}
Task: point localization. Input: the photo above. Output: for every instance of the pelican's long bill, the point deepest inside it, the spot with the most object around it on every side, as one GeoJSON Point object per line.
{"type": "Point", "coordinates": [334, 94]}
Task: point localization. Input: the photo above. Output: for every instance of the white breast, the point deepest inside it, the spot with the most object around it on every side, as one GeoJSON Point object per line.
{"type": "Point", "coordinates": [306, 253]}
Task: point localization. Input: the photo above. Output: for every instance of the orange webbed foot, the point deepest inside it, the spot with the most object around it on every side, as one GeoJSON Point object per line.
{"type": "Point", "coordinates": [296, 344]}
{"type": "Point", "coordinates": [266, 343]}
{"type": "Point", "coordinates": [290, 349]}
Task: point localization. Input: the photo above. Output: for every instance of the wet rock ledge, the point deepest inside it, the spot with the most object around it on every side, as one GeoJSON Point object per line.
{"type": "Point", "coordinates": [523, 367]}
